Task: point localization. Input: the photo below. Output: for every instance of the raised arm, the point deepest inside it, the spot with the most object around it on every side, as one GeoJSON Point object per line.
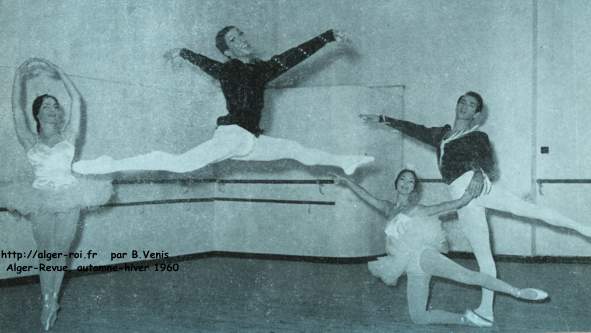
{"type": "Point", "coordinates": [428, 135]}
{"type": "Point", "coordinates": [72, 124]}
{"type": "Point", "coordinates": [21, 124]}
{"type": "Point", "coordinates": [209, 66]}
{"type": "Point", "coordinates": [384, 206]}
{"type": "Point", "coordinates": [281, 63]}
{"type": "Point", "coordinates": [446, 206]}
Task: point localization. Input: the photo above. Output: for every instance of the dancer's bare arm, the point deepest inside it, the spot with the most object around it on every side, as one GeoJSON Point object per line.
{"type": "Point", "coordinates": [446, 206]}
{"type": "Point", "coordinates": [22, 127]}
{"type": "Point", "coordinates": [383, 206]}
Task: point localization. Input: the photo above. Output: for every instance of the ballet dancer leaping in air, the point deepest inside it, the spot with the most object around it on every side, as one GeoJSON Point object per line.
{"type": "Point", "coordinates": [238, 136]}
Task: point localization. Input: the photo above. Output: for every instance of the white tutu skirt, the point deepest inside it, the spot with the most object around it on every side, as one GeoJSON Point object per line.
{"type": "Point", "coordinates": [388, 268]}
{"type": "Point", "coordinates": [83, 194]}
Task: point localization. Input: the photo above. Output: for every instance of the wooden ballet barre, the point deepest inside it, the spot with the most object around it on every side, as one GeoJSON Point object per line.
{"type": "Point", "coordinates": [223, 181]}
{"type": "Point", "coordinates": [430, 180]}
{"type": "Point", "coordinates": [318, 182]}
{"type": "Point", "coordinates": [563, 181]}
{"type": "Point", "coordinates": [212, 199]}
{"type": "Point", "coordinates": [542, 181]}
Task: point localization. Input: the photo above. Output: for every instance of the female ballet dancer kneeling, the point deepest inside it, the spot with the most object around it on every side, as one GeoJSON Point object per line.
{"type": "Point", "coordinates": [414, 242]}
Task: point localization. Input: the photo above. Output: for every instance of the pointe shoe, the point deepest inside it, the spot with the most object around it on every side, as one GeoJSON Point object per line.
{"type": "Point", "coordinates": [49, 311]}
{"type": "Point", "coordinates": [532, 294]}
{"type": "Point", "coordinates": [356, 163]}
{"type": "Point", "coordinates": [490, 318]}
{"type": "Point", "coordinates": [474, 319]}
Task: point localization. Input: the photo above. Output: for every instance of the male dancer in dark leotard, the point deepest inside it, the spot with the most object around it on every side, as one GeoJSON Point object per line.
{"type": "Point", "coordinates": [243, 79]}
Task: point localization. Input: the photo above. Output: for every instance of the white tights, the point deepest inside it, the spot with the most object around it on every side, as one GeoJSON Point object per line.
{"type": "Point", "coordinates": [473, 222]}
{"type": "Point", "coordinates": [228, 142]}
{"type": "Point", "coordinates": [434, 263]}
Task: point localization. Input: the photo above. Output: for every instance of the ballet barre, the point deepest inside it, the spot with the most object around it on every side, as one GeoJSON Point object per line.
{"type": "Point", "coordinates": [542, 181]}
{"type": "Point", "coordinates": [189, 180]}
{"type": "Point", "coordinates": [222, 181]}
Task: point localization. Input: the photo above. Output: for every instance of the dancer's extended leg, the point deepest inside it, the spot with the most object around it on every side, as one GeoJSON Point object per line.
{"type": "Point", "coordinates": [436, 264]}
{"type": "Point", "coordinates": [268, 149]}
{"type": "Point", "coordinates": [227, 142]}
{"type": "Point", "coordinates": [473, 223]}
{"type": "Point", "coordinates": [503, 200]}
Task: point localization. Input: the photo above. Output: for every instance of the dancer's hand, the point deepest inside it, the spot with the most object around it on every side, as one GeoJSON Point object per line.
{"type": "Point", "coordinates": [476, 184]}
{"type": "Point", "coordinates": [34, 67]}
{"type": "Point", "coordinates": [174, 56]}
{"type": "Point", "coordinates": [172, 53]}
{"type": "Point", "coordinates": [340, 36]}
{"type": "Point", "coordinates": [370, 118]}
{"type": "Point", "coordinates": [466, 198]}
{"type": "Point", "coordinates": [52, 69]}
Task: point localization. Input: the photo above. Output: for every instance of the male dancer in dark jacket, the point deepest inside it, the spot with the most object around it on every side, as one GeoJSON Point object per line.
{"type": "Point", "coordinates": [243, 79]}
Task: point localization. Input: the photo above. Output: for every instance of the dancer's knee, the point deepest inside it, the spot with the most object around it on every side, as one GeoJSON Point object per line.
{"type": "Point", "coordinates": [419, 316]}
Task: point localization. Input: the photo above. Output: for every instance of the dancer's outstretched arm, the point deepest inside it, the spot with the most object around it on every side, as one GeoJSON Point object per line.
{"type": "Point", "coordinates": [428, 135]}
{"type": "Point", "coordinates": [446, 206]}
{"type": "Point", "coordinates": [211, 67]}
{"type": "Point", "coordinates": [383, 206]}
{"type": "Point", "coordinates": [281, 63]}
{"type": "Point", "coordinates": [21, 125]}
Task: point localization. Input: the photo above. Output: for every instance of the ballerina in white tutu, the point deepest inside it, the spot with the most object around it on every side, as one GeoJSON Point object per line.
{"type": "Point", "coordinates": [414, 243]}
{"type": "Point", "coordinates": [52, 202]}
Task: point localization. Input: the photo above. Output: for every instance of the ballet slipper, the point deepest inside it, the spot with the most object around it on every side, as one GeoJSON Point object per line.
{"type": "Point", "coordinates": [532, 294]}
{"type": "Point", "coordinates": [489, 318]}
{"type": "Point", "coordinates": [49, 311]}
{"type": "Point", "coordinates": [350, 168]}
{"type": "Point", "coordinates": [472, 318]}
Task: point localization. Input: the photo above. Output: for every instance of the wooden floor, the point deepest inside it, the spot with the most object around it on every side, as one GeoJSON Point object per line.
{"type": "Point", "coordinates": [230, 294]}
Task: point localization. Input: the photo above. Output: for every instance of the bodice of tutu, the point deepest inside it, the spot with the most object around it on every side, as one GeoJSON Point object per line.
{"type": "Point", "coordinates": [52, 165]}
{"type": "Point", "coordinates": [412, 233]}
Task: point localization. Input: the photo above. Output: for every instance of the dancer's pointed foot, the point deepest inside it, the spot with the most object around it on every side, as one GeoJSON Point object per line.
{"type": "Point", "coordinates": [101, 165]}
{"type": "Point", "coordinates": [353, 162]}
{"type": "Point", "coordinates": [471, 318]}
{"type": "Point", "coordinates": [49, 311]}
{"type": "Point", "coordinates": [532, 294]}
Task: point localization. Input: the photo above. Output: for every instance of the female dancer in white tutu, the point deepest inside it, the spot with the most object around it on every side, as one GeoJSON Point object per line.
{"type": "Point", "coordinates": [243, 79]}
{"type": "Point", "coordinates": [53, 201]}
{"type": "Point", "coordinates": [414, 242]}
{"type": "Point", "coordinates": [466, 162]}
